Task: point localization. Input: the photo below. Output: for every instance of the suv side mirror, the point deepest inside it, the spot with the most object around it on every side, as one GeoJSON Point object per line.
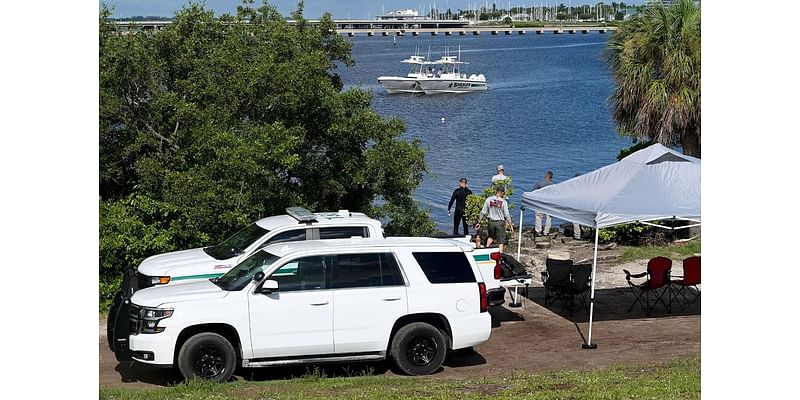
{"type": "Point", "coordinates": [269, 286]}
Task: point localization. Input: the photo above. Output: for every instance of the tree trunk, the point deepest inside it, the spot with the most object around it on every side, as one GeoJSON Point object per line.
{"type": "Point", "coordinates": [691, 143]}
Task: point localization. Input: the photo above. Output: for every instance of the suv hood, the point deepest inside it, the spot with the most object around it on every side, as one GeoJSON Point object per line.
{"type": "Point", "coordinates": [157, 295]}
{"type": "Point", "coordinates": [182, 263]}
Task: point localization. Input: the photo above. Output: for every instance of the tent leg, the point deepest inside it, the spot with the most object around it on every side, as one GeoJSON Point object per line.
{"type": "Point", "coordinates": [519, 240]}
{"type": "Point", "coordinates": [589, 344]}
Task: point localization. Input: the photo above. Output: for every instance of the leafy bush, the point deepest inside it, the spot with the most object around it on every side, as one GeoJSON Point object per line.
{"type": "Point", "coordinates": [475, 201]}
{"type": "Point", "coordinates": [216, 121]}
{"type": "Point", "coordinates": [637, 234]}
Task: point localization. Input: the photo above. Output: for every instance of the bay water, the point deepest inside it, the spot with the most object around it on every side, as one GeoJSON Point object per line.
{"type": "Point", "coordinates": [546, 109]}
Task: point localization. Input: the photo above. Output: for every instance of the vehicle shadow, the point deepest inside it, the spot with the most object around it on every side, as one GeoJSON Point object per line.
{"type": "Point", "coordinates": [501, 314]}
{"type": "Point", "coordinates": [337, 370]}
{"type": "Point", "coordinates": [612, 304]}
{"type": "Point", "coordinates": [136, 372]}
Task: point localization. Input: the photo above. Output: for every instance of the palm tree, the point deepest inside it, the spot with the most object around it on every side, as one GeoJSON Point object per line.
{"type": "Point", "coordinates": [655, 61]}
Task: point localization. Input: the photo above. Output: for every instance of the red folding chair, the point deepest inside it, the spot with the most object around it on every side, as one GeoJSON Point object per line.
{"type": "Point", "coordinates": [690, 279]}
{"type": "Point", "coordinates": [650, 292]}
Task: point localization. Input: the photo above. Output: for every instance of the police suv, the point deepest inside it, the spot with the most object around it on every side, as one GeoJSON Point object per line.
{"type": "Point", "coordinates": [407, 299]}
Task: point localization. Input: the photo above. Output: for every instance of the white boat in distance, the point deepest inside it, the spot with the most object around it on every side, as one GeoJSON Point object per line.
{"type": "Point", "coordinates": [408, 83]}
{"type": "Point", "coordinates": [449, 79]}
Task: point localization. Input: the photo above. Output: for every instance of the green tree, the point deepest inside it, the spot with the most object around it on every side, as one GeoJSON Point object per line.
{"type": "Point", "coordinates": [216, 121]}
{"type": "Point", "coordinates": [655, 61]}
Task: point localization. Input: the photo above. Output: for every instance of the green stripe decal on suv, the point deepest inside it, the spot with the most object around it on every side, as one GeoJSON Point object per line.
{"type": "Point", "coordinates": [481, 257]}
{"type": "Point", "coordinates": [203, 276]}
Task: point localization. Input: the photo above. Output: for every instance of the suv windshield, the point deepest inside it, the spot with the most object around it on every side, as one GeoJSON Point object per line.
{"type": "Point", "coordinates": [238, 277]}
{"type": "Point", "coordinates": [235, 245]}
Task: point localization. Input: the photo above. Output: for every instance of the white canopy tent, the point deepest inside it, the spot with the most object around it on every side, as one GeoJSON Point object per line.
{"type": "Point", "coordinates": [652, 184]}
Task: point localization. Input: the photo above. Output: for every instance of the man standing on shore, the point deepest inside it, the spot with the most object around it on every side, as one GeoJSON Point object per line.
{"type": "Point", "coordinates": [496, 207]}
{"type": "Point", "coordinates": [547, 181]}
{"type": "Point", "coordinates": [501, 175]}
{"type": "Point", "coordinates": [460, 198]}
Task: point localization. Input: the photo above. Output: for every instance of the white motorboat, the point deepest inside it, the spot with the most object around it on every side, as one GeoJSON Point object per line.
{"type": "Point", "coordinates": [408, 83]}
{"type": "Point", "coordinates": [449, 79]}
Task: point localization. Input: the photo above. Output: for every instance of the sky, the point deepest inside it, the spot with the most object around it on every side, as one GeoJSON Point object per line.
{"type": "Point", "coordinates": [315, 8]}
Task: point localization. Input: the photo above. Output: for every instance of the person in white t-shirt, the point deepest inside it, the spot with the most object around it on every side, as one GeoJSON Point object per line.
{"type": "Point", "coordinates": [501, 174]}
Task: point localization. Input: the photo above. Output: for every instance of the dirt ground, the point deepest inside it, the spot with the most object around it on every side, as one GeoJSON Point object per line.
{"type": "Point", "coordinates": [530, 338]}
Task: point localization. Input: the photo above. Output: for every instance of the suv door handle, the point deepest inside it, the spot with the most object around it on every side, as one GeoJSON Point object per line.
{"type": "Point", "coordinates": [321, 303]}
{"type": "Point", "coordinates": [392, 298]}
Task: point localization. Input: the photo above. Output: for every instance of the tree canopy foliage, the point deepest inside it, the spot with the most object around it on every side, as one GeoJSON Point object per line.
{"type": "Point", "coordinates": [655, 61]}
{"type": "Point", "coordinates": [216, 121]}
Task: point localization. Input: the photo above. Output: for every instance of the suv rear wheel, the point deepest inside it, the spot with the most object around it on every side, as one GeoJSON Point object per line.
{"type": "Point", "coordinates": [207, 356]}
{"type": "Point", "coordinates": [418, 349]}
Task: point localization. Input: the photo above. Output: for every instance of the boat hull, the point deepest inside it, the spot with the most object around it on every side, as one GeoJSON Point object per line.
{"type": "Point", "coordinates": [394, 85]}
{"type": "Point", "coordinates": [440, 86]}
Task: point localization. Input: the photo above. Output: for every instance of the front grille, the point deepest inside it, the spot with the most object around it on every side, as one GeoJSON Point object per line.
{"type": "Point", "coordinates": [135, 326]}
{"type": "Point", "coordinates": [144, 280]}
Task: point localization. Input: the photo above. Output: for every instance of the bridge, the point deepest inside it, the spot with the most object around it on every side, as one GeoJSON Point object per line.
{"type": "Point", "coordinates": [401, 27]}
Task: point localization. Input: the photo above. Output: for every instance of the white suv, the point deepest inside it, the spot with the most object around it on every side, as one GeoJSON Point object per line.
{"type": "Point", "coordinates": [213, 261]}
{"type": "Point", "coordinates": [408, 299]}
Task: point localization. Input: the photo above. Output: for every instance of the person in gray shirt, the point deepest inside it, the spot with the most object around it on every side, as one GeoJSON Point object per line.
{"type": "Point", "coordinates": [547, 181]}
{"type": "Point", "coordinates": [496, 208]}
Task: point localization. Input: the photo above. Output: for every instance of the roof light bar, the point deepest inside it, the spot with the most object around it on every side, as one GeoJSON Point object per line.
{"type": "Point", "coordinates": [301, 214]}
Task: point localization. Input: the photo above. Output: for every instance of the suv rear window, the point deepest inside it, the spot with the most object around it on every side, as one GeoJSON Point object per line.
{"type": "Point", "coordinates": [342, 232]}
{"type": "Point", "coordinates": [366, 270]}
{"type": "Point", "coordinates": [449, 267]}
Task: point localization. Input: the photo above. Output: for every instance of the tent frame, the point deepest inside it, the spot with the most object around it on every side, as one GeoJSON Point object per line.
{"type": "Point", "coordinates": [589, 344]}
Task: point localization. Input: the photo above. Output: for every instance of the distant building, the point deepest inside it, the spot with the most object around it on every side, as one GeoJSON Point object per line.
{"type": "Point", "coordinates": [400, 15]}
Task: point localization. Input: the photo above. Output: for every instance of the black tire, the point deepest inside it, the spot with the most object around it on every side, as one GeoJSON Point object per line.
{"type": "Point", "coordinates": [207, 356]}
{"type": "Point", "coordinates": [418, 349]}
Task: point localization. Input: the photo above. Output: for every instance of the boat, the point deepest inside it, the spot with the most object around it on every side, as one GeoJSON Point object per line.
{"type": "Point", "coordinates": [449, 79]}
{"type": "Point", "coordinates": [408, 83]}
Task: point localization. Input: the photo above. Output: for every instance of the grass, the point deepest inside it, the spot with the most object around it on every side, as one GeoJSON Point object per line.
{"type": "Point", "coordinates": [677, 379]}
{"type": "Point", "coordinates": [675, 252]}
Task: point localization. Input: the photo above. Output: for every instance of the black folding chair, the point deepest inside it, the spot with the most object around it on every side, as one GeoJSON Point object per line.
{"type": "Point", "coordinates": [556, 279]}
{"type": "Point", "coordinates": [580, 283]}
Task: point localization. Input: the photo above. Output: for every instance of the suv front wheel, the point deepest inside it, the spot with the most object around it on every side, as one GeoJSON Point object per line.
{"type": "Point", "coordinates": [418, 349]}
{"type": "Point", "coordinates": [207, 356]}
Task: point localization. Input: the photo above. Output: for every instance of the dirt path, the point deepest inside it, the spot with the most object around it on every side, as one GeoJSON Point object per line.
{"type": "Point", "coordinates": [523, 339]}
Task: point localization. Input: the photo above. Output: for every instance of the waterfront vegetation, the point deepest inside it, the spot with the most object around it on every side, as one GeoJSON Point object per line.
{"type": "Point", "coordinates": [217, 121]}
{"type": "Point", "coordinates": [676, 379]}
{"type": "Point", "coordinates": [674, 251]}
{"type": "Point", "coordinates": [655, 61]}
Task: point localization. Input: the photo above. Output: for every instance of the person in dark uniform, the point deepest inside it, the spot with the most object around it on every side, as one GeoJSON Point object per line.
{"type": "Point", "coordinates": [460, 198]}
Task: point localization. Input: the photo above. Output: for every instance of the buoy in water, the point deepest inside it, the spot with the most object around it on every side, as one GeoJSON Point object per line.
{"type": "Point", "coordinates": [442, 119]}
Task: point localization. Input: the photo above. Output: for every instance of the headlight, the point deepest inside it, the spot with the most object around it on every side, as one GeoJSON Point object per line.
{"type": "Point", "coordinates": [151, 316]}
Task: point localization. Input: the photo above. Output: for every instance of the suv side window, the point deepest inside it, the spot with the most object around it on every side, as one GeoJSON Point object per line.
{"type": "Point", "coordinates": [294, 235]}
{"type": "Point", "coordinates": [343, 232]}
{"type": "Point", "coordinates": [306, 273]}
{"type": "Point", "coordinates": [366, 270]}
{"type": "Point", "coordinates": [445, 267]}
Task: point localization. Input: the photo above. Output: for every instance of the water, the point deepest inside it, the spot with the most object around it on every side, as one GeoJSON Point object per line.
{"type": "Point", "coordinates": [546, 109]}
